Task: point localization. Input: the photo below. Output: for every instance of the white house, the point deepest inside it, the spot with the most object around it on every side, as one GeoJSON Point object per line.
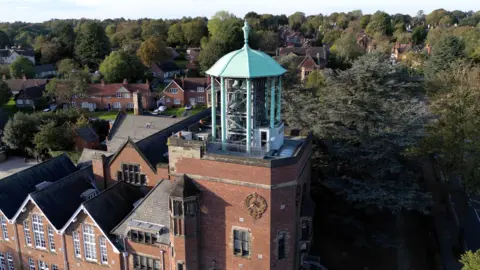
{"type": "Point", "coordinates": [8, 56]}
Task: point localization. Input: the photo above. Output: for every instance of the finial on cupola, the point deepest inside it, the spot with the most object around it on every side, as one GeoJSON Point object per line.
{"type": "Point", "coordinates": [246, 31]}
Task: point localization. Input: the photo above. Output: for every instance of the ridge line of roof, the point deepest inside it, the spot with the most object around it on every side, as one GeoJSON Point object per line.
{"type": "Point", "coordinates": [61, 180]}
{"type": "Point", "coordinates": [234, 53]}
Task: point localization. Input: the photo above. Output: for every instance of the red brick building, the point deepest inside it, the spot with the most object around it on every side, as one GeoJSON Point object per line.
{"type": "Point", "coordinates": [186, 91]}
{"type": "Point", "coordinates": [176, 199]}
{"type": "Point", "coordinates": [85, 137]}
{"type": "Point", "coordinates": [114, 96]}
{"type": "Point", "coordinates": [305, 59]}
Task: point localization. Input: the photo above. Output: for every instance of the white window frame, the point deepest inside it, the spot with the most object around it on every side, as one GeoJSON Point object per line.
{"type": "Point", "coordinates": [38, 232]}
{"type": "Point", "coordinates": [200, 89]}
{"type": "Point", "coordinates": [74, 104]}
{"type": "Point", "coordinates": [117, 105]}
{"type": "Point", "coordinates": [28, 101]}
{"type": "Point", "coordinates": [3, 220]}
{"type": "Point", "coordinates": [54, 267]}
{"type": "Point", "coordinates": [2, 262]}
{"type": "Point", "coordinates": [130, 105]}
{"type": "Point", "coordinates": [76, 244]}
{"type": "Point", "coordinates": [85, 105]}
{"type": "Point", "coordinates": [20, 101]}
{"type": "Point", "coordinates": [201, 99]}
{"type": "Point", "coordinates": [103, 250]}
{"type": "Point", "coordinates": [26, 231]}
{"type": "Point", "coordinates": [119, 95]}
{"type": "Point", "coordinates": [126, 95]}
{"type": "Point", "coordinates": [51, 238]}
{"type": "Point", "coordinates": [168, 100]}
{"type": "Point", "coordinates": [10, 264]}
{"type": "Point", "coordinates": [42, 265]}
{"type": "Point", "coordinates": [89, 243]}
{"type": "Point", "coordinates": [174, 91]}
{"type": "Point", "coordinates": [31, 264]}
{"type": "Point", "coordinates": [177, 101]}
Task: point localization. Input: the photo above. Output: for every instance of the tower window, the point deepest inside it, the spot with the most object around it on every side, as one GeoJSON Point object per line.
{"type": "Point", "coordinates": [241, 243]}
{"type": "Point", "coordinates": [131, 173]}
{"type": "Point", "coordinates": [281, 245]}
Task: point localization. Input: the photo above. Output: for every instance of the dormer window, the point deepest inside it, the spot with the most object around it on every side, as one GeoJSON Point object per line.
{"type": "Point", "coordinates": [143, 237]}
{"type": "Point", "coordinates": [200, 89]}
{"type": "Point", "coordinates": [173, 90]}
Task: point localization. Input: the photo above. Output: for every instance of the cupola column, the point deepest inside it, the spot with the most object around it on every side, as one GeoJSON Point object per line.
{"type": "Point", "coordinates": [272, 105]}
{"type": "Point", "coordinates": [279, 100]}
{"type": "Point", "coordinates": [223, 107]}
{"type": "Point", "coordinates": [249, 115]}
{"type": "Point", "coordinates": [214, 108]}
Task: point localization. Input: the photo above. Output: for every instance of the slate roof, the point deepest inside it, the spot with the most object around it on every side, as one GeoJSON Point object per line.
{"type": "Point", "coordinates": [16, 187]}
{"type": "Point", "coordinates": [87, 156]}
{"type": "Point", "coordinates": [60, 200]}
{"type": "Point", "coordinates": [153, 209]}
{"type": "Point", "coordinates": [191, 84]}
{"type": "Point", "coordinates": [33, 92]}
{"type": "Point", "coordinates": [87, 134]}
{"type": "Point", "coordinates": [184, 187]}
{"type": "Point", "coordinates": [168, 66]}
{"type": "Point", "coordinates": [110, 89]}
{"type": "Point", "coordinates": [301, 51]}
{"type": "Point", "coordinates": [44, 68]}
{"type": "Point", "coordinates": [8, 52]}
{"type": "Point", "coordinates": [112, 205]}
{"type": "Point", "coordinates": [16, 85]}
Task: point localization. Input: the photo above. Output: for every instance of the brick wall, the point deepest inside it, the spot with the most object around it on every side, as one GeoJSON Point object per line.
{"type": "Point", "coordinates": [9, 245]}
{"type": "Point", "coordinates": [102, 102]}
{"type": "Point", "coordinates": [170, 97]}
{"type": "Point", "coordinates": [130, 155]}
{"type": "Point", "coordinates": [114, 258]}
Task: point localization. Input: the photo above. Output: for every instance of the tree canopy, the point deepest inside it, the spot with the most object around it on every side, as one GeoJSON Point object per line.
{"type": "Point", "coordinates": [22, 66]}
{"type": "Point", "coordinates": [91, 44]}
{"type": "Point", "coordinates": [119, 65]}
{"type": "Point", "coordinates": [5, 93]}
{"type": "Point", "coordinates": [153, 50]}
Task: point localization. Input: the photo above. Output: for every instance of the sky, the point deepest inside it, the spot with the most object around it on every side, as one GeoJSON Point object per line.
{"type": "Point", "coordinates": [42, 10]}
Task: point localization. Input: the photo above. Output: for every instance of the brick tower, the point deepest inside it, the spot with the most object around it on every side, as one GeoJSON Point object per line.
{"type": "Point", "coordinates": [251, 182]}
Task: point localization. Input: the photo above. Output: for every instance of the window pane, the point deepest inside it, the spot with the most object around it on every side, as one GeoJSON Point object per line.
{"type": "Point", "coordinates": [136, 261]}
{"type": "Point", "coordinates": [143, 180]}
{"type": "Point", "coordinates": [147, 238]}
{"type": "Point", "coordinates": [140, 236]}
{"type": "Point", "coordinates": [134, 236]}
{"type": "Point", "coordinates": [119, 176]}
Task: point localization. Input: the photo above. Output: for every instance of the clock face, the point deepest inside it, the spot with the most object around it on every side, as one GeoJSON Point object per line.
{"type": "Point", "coordinates": [256, 205]}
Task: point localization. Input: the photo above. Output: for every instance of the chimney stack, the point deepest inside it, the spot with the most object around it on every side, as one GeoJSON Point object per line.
{"type": "Point", "coordinates": [137, 103]}
{"type": "Point", "coordinates": [98, 166]}
{"type": "Point", "coordinates": [183, 83]}
{"type": "Point", "coordinates": [24, 77]}
{"type": "Point", "coordinates": [147, 82]}
{"type": "Point", "coordinates": [102, 82]}
{"type": "Point", "coordinates": [125, 81]}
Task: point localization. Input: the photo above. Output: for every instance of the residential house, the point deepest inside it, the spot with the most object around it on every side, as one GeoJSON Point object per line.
{"type": "Point", "coordinates": [192, 57]}
{"type": "Point", "coordinates": [365, 42]}
{"type": "Point", "coordinates": [166, 71]}
{"type": "Point", "coordinates": [114, 96]}
{"type": "Point", "coordinates": [16, 85]}
{"type": "Point", "coordinates": [31, 97]}
{"type": "Point", "coordinates": [9, 55]}
{"type": "Point", "coordinates": [305, 59]}
{"type": "Point", "coordinates": [186, 91]}
{"type": "Point", "coordinates": [85, 137]}
{"type": "Point", "coordinates": [45, 71]}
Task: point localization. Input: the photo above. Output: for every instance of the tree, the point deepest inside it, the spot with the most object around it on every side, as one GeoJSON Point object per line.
{"type": "Point", "coordinates": [22, 66]}
{"type": "Point", "coordinates": [194, 31]}
{"type": "Point", "coordinates": [346, 47]}
{"type": "Point", "coordinates": [470, 21]}
{"type": "Point", "coordinates": [53, 137]}
{"type": "Point", "coordinates": [64, 90]}
{"type": "Point", "coordinates": [225, 27]}
{"type": "Point", "coordinates": [342, 20]}
{"type": "Point", "coordinates": [315, 80]}
{"type": "Point", "coordinates": [435, 16]}
{"type": "Point", "coordinates": [51, 52]}
{"type": "Point", "coordinates": [175, 34]}
{"type": "Point", "coordinates": [153, 50]}
{"type": "Point", "coordinates": [5, 71]}
{"type": "Point", "coordinates": [370, 115]}
{"type": "Point", "coordinates": [119, 65]}
{"type": "Point", "coordinates": [453, 135]}
{"type": "Point", "coordinates": [4, 40]}
{"type": "Point", "coordinates": [296, 20]}
{"type": "Point", "coordinates": [154, 28]}
{"type": "Point", "coordinates": [91, 44]}
{"type": "Point", "coordinates": [66, 66]}
{"type": "Point", "coordinates": [330, 36]}
{"type": "Point", "coordinates": [210, 53]}
{"type": "Point", "coordinates": [110, 30]}
{"type": "Point", "coordinates": [365, 20]}
{"type": "Point", "coordinates": [471, 260]}
{"type": "Point", "coordinates": [65, 36]}
{"type": "Point", "coordinates": [264, 40]}
{"type": "Point", "coordinates": [418, 35]}
{"type": "Point", "coordinates": [379, 24]}
{"type": "Point", "coordinates": [19, 131]}
{"type": "Point", "coordinates": [448, 50]}
{"type": "Point", "coordinates": [5, 93]}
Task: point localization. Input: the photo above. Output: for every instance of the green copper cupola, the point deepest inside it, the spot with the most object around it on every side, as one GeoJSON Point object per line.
{"type": "Point", "coordinates": [250, 99]}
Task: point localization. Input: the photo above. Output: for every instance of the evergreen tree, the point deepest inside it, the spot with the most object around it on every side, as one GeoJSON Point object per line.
{"type": "Point", "coordinates": [91, 44]}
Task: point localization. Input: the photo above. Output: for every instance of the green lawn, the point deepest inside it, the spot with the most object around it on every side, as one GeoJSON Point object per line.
{"type": "Point", "coordinates": [73, 155]}
{"type": "Point", "coordinates": [179, 111]}
{"type": "Point", "coordinates": [181, 63]}
{"type": "Point", "coordinates": [105, 115]}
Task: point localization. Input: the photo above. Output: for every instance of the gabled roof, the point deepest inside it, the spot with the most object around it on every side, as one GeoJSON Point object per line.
{"type": "Point", "coordinates": [87, 134]}
{"type": "Point", "coordinates": [302, 51]}
{"type": "Point", "coordinates": [32, 92]}
{"type": "Point", "coordinates": [16, 85]}
{"type": "Point", "coordinates": [179, 85]}
{"type": "Point", "coordinates": [191, 84]}
{"type": "Point", "coordinates": [184, 187]}
{"type": "Point", "coordinates": [61, 199]}
{"type": "Point", "coordinates": [153, 209]}
{"type": "Point", "coordinates": [111, 89]}
{"type": "Point", "coordinates": [16, 187]}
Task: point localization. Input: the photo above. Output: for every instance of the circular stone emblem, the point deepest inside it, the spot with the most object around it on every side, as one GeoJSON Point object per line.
{"type": "Point", "coordinates": [256, 205]}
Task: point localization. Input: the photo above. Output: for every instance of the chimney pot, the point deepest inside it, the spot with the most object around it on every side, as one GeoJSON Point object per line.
{"type": "Point", "coordinates": [102, 82]}
{"type": "Point", "coordinates": [24, 77]}
{"type": "Point", "coordinates": [183, 83]}
{"type": "Point", "coordinates": [125, 81]}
